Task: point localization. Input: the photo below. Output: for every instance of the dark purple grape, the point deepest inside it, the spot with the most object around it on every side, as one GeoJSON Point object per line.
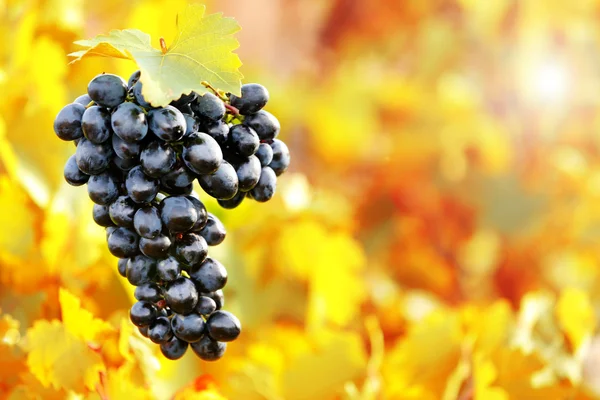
{"type": "Point", "coordinates": [84, 100]}
{"type": "Point", "coordinates": [157, 159]}
{"type": "Point", "coordinates": [133, 79]}
{"type": "Point", "coordinates": [122, 267]}
{"type": "Point", "coordinates": [93, 159]}
{"type": "Point", "coordinates": [248, 173]}
{"type": "Point", "coordinates": [181, 295]}
{"type": "Point", "coordinates": [102, 189]}
{"type": "Point", "coordinates": [140, 270]}
{"type": "Point", "coordinates": [209, 106]}
{"type": "Point", "coordinates": [148, 292]}
{"type": "Point", "coordinates": [208, 349]}
{"type": "Point", "coordinates": [177, 191]}
{"type": "Point", "coordinates": [142, 313]}
{"type": "Point", "coordinates": [222, 184]}
{"type": "Point", "coordinates": [210, 276]}
{"type": "Point", "coordinates": [129, 122]}
{"type": "Point", "coordinates": [213, 232]}
{"type": "Point", "coordinates": [159, 331]}
{"type": "Point", "coordinates": [191, 124]}
{"type": "Point", "coordinates": [147, 223]}
{"type": "Point", "coordinates": [217, 297]}
{"type": "Point", "coordinates": [218, 130]}
{"type": "Point", "coordinates": [178, 214]}
{"type": "Point", "coordinates": [167, 123]}
{"type": "Point", "coordinates": [179, 176]}
{"type": "Point", "coordinates": [125, 150]}
{"type": "Point", "coordinates": [265, 125]}
{"type": "Point", "coordinates": [139, 97]}
{"type": "Point", "coordinates": [188, 327]}
{"type": "Point", "coordinates": [254, 97]}
{"type": "Point", "coordinates": [174, 349]}
{"type": "Point", "coordinates": [101, 216]}
{"type": "Point", "coordinates": [143, 330]}
{"type": "Point", "coordinates": [233, 202]}
{"type": "Point", "coordinates": [201, 210]}
{"type": "Point", "coordinates": [123, 243]}
{"type": "Point", "coordinates": [125, 164]}
{"type": "Point", "coordinates": [266, 186]}
{"type": "Point", "coordinates": [122, 211]}
{"type": "Point", "coordinates": [281, 157]}
{"type": "Point", "coordinates": [157, 247]}
{"type": "Point", "coordinates": [205, 306]}
{"type": "Point", "coordinates": [223, 326]}
{"type": "Point", "coordinates": [67, 124]}
{"type": "Point", "coordinates": [201, 153]}
{"type": "Point", "coordinates": [95, 124]}
{"type": "Point", "coordinates": [264, 154]}
{"type": "Point", "coordinates": [243, 140]}
{"type": "Point", "coordinates": [108, 90]}
{"type": "Point", "coordinates": [168, 269]}
{"type": "Point", "coordinates": [73, 174]}
{"type": "Point", "coordinates": [140, 187]}
{"type": "Point", "coordinates": [191, 249]}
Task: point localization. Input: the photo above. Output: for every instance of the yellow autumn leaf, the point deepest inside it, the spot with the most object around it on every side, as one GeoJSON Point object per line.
{"type": "Point", "coordinates": [52, 350]}
{"type": "Point", "coordinates": [120, 385]}
{"type": "Point", "coordinates": [576, 316]}
{"type": "Point", "coordinates": [201, 51]}
{"type": "Point", "coordinates": [80, 322]}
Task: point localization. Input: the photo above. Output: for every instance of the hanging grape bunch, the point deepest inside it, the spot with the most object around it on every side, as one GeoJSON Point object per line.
{"type": "Point", "coordinates": [139, 163]}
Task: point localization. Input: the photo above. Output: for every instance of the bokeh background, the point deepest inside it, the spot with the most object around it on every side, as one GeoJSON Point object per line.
{"type": "Point", "coordinates": [436, 237]}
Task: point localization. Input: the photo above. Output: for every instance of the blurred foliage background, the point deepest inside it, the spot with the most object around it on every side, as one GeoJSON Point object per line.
{"type": "Point", "coordinates": [435, 238]}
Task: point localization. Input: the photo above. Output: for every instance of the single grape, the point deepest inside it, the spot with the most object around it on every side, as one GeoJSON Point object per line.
{"type": "Point", "coordinates": [84, 100]}
{"type": "Point", "coordinates": [140, 270]}
{"type": "Point", "coordinates": [102, 189]}
{"type": "Point", "coordinates": [213, 232]}
{"type": "Point", "coordinates": [122, 266]}
{"type": "Point", "coordinates": [122, 211]}
{"type": "Point", "coordinates": [108, 90]}
{"type": "Point", "coordinates": [142, 313]}
{"type": "Point", "coordinates": [93, 159]}
{"type": "Point", "coordinates": [95, 124]}
{"type": "Point", "coordinates": [179, 176]}
{"type": "Point", "coordinates": [188, 327]}
{"type": "Point", "coordinates": [167, 123]}
{"type": "Point", "coordinates": [148, 292]}
{"type": "Point", "coordinates": [157, 159]}
{"type": "Point", "coordinates": [147, 223]}
{"type": "Point", "coordinates": [67, 124]}
{"type": "Point", "coordinates": [243, 140]}
{"type": "Point", "coordinates": [133, 79]}
{"type": "Point", "coordinates": [139, 97]}
{"type": "Point", "coordinates": [101, 216]}
{"type": "Point", "coordinates": [181, 295]}
{"type": "Point", "coordinates": [209, 106]}
{"type": "Point", "coordinates": [125, 150]}
{"type": "Point", "coordinates": [208, 349]}
{"type": "Point", "coordinates": [175, 190]}
{"type": "Point", "coordinates": [205, 306]}
{"type": "Point", "coordinates": [174, 349]}
{"type": "Point", "coordinates": [200, 209]}
{"type": "Point", "coordinates": [266, 186]}
{"type": "Point", "coordinates": [201, 153]}
{"type": "Point", "coordinates": [178, 214]}
{"type": "Point", "coordinates": [73, 174]}
{"type": "Point", "coordinates": [234, 202]}
{"type": "Point", "coordinates": [140, 187]}
{"type": "Point", "coordinates": [223, 326]}
{"type": "Point", "coordinates": [143, 330]}
{"type": "Point", "coordinates": [254, 97]}
{"type": "Point", "coordinates": [264, 154]}
{"type": "Point", "coordinates": [218, 130]}
{"type": "Point", "coordinates": [222, 184]}
{"type": "Point", "coordinates": [210, 276]}
{"type": "Point", "coordinates": [168, 269]}
{"type": "Point", "coordinates": [281, 157]}
{"type": "Point", "coordinates": [264, 123]}
{"type": "Point", "coordinates": [124, 164]}
{"type": "Point", "coordinates": [191, 249]}
{"type": "Point", "coordinates": [123, 243]}
{"type": "Point", "coordinates": [157, 247]}
{"type": "Point", "coordinates": [217, 297]}
{"type": "Point", "coordinates": [248, 173]}
{"type": "Point", "coordinates": [129, 122]}
{"type": "Point", "coordinates": [159, 331]}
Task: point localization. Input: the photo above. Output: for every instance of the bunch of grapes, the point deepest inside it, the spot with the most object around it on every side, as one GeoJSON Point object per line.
{"type": "Point", "coordinates": [139, 163]}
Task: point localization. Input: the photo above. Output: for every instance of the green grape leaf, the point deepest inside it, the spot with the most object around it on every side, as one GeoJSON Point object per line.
{"type": "Point", "coordinates": [201, 51]}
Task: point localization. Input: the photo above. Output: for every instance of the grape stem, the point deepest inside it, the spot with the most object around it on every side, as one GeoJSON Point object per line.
{"type": "Point", "coordinates": [232, 110]}
{"type": "Point", "coordinates": [163, 45]}
{"type": "Point", "coordinates": [217, 92]}
{"type": "Point", "coordinates": [91, 103]}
